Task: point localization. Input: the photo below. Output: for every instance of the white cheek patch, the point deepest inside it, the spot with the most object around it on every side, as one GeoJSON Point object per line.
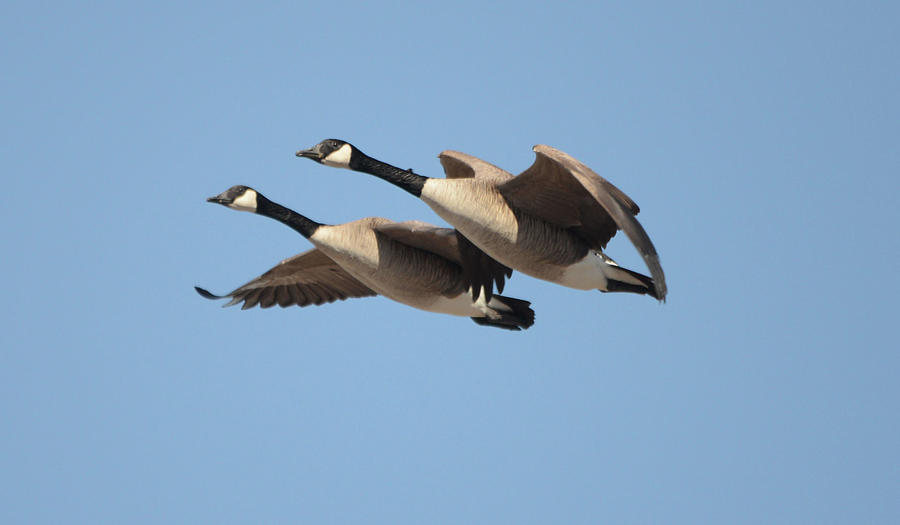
{"type": "Point", "coordinates": [246, 202]}
{"type": "Point", "coordinates": [339, 158]}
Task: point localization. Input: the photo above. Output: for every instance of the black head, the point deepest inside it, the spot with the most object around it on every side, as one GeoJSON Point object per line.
{"type": "Point", "coordinates": [243, 198]}
{"type": "Point", "coordinates": [330, 152]}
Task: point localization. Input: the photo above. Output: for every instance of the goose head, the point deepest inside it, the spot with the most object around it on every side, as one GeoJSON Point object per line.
{"type": "Point", "coordinates": [331, 152]}
{"type": "Point", "coordinates": [241, 198]}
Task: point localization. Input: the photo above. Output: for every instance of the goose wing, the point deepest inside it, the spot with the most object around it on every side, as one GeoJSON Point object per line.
{"type": "Point", "coordinates": [459, 165]}
{"type": "Point", "coordinates": [423, 236]}
{"type": "Point", "coordinates": [479, 269]}
{"type": "Point", "coordinates": [308, 278]}
{"type": "Point", "coordinates": [560, 189]}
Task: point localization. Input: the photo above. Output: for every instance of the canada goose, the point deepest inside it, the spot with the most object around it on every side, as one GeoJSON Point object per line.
{"type": "Point", "coordinates": [413, 263]}
{"type": "Point", "coordinates": [552, 221]}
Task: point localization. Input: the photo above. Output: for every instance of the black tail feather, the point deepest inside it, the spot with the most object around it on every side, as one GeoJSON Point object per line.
{"type": "Point", "coordinates": [647, 288]}
{"type": "Point", "coordinates": [520, 318]}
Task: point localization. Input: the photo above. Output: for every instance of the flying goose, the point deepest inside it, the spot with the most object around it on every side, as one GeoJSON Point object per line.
{"type": "Point", "coordinates": [413, 263]}
{"type": "Point", "coordinates": [552, 221]}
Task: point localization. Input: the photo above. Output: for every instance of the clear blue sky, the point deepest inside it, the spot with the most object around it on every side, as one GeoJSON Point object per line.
{"type": "Point", "coordinates": [760, 140]}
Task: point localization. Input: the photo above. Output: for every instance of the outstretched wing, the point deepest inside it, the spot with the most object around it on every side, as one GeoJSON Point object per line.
{"type": "Point", "coordinates": [562, 190]}
{"type": "Point", "coordinates": [308, 278]}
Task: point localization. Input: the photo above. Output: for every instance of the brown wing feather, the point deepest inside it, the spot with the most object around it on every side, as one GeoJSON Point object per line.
{"type": "Point", "coordinates": [596, 208]}
{"type": "Point", "coordinates": [424, 236]}
{"type": "Point", "coordinates": [548, 190]}
{"type": "Point", "coordinates": [480, 270]}
{"type": "Point", "coordinates": [308, 278]}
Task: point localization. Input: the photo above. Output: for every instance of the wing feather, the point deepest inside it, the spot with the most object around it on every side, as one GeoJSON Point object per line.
{"type": "Point", "coordinates": [562, 190]}
{"type": "Point", "coordinates": [459, 165]}
{"type": "Point", "coordinates": [308, 278]}
{"type": "Point", "coordinates": [480, 271]}
{"type": "Point", "coordinates": [423, 236]}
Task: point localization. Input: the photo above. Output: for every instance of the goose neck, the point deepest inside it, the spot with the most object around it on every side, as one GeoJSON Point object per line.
{"type": "Point", "coordinates": [405, 179]}
{"type": "Point", "coordinates": [304, 225]}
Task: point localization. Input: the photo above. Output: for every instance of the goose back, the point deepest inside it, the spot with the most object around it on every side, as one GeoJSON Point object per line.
{"type": "Point", "coordinates": [392, 268]}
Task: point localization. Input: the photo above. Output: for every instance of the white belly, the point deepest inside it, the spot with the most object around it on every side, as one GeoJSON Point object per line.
{"type": "Point", "coordinates": [462, 305]}
{"type": "Point", "coordinates": [594, 272]}
{"type": "Point", "coordinates": [586, 274]}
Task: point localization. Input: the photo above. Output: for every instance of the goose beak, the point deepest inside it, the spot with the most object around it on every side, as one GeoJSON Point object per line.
{"type": "Point", "coordinates": [218, 199]}
{"type": "Point", "coordinates": [311, 153]}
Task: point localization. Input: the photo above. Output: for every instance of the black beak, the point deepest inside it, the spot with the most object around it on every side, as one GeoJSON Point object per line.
{"type": "Point", "coordinates": [218, 199]}
{"type": "Point", "coordinates": [311, 153]}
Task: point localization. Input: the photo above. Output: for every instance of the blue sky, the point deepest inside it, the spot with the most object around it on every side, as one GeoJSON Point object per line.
{"type": "Point", "coordinates": [760, 141]}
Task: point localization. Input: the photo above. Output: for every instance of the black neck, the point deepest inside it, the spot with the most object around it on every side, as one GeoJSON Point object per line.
{"type": "Point", "coordinates": [276, 211]}
{"type": "Point", "coordinates": [405, 179]}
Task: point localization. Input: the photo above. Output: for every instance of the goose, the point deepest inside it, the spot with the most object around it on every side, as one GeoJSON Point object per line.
{"type": "Point", "coordinates": [551, 222]}
{"type": "Point", "coordinates": [412, 262]}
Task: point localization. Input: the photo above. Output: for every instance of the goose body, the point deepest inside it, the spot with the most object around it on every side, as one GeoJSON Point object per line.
{"type": "Point", "coordinates": [546, 252]}
{"type": "Point", "coordinates": [413, 263]}
{"type": "Point", "coordinates": [409, 275]}
{"type": "Point", "coordinates": [550, 222]}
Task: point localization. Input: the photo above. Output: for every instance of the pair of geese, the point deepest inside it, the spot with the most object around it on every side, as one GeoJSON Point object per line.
{"type": "Point", "coordinates": [551, 222]}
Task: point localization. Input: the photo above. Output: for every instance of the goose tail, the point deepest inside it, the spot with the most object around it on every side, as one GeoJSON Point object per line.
{"type": "Point", "coordinates": [620, 279]}
{"type": "Point", "coordinates": [507, 313]}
